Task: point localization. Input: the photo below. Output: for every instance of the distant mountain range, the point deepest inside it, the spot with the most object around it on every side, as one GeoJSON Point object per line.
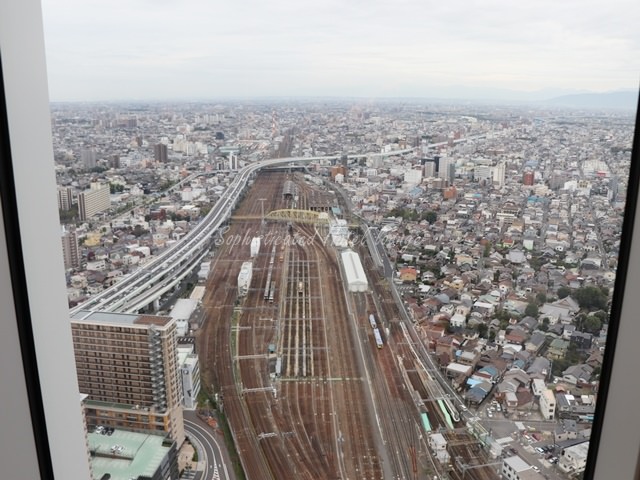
{"type": "Point", "coordinates": [626, 99]}
{"type": "Point", "coordinates": [618, 100]}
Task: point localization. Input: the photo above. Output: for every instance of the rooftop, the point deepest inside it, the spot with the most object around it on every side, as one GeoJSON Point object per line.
{"type": "Point", "coordinates": [125, 455]}
{"type": "Point", "coordinates": [112, 318]}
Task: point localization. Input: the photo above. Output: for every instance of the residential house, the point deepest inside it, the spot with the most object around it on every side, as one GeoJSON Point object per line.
{"type": "Point", "coordinates": [539, 368]}
{"type": "Point", "coordinates": [557, 349]}
{"type": "Point", "coordinates": [467, 357]}
{"type": "Point", "coordinates": [447, 345]}
{"type": "Point", "coordinates": [573, 460]}
{"type": "Point", "coordinates": [577, 374]}
{"type": "Point", "coordinates": [516, 336]}
{"type": "Point", "coordinates": [581, 340]}
{"type": "Point", "coordinates": [535, 342]}
{"type": "Point", "coordinates": [528, 323]}
{"type": "Point", "coordinates": [478, 391]}
{"type": "Point", "coordinates": [408, 274]}
{"type": "Point", "coordinates": [570, 406]}
{"type": "Point", "coordinates": [487, 374]}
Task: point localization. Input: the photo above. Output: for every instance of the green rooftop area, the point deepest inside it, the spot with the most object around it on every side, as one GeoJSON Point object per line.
{"type": "Point", "coordinates": [126, 455]}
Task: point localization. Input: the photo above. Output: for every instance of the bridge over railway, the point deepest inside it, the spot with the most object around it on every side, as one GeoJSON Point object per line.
{"type": "Point", "coordinates": [293, 215]}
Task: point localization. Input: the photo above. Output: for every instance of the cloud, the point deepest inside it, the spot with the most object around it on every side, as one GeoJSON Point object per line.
{"type": "Point", "coordinates": [117, 49]}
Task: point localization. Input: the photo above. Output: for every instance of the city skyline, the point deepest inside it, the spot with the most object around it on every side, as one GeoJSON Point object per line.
{"type": "Point", "coordinates": [160, 51]}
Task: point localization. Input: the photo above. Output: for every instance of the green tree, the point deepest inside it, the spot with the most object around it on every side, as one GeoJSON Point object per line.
{"type": "Point", "coordinates": [564, 292]}
{"type": "Point", "coordinates": [591, 298]}
{"type": "Point", "coordinates": [531, 310]}
{"type": "Point", "coordinates": [482, 329]}
{"type": "Point", "coordinates": [430, 217]}
{"type": "Point", "coordinates": [541, 298]}
{"type": "Point", "coordinates": [592, 324]}
{"type": "Point", "coordinates": [115, 187]}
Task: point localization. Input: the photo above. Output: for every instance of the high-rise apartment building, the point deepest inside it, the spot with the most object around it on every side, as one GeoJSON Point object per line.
{"type": "Point", "coordinates": [528, 178]}
{"type": "Point", "coordinates": [447, 169]}
{"type": "Point", "coordinates": [160, 153]}
{"type": "Point", "coordinates": [70, 250]}
{"type": "Point", "coordinates": [127, 365]}
{"type": "Point", "coordinates": [499, 174]}
{"type": "Point", "coordinates": [88, 157]}
{"type": "Point", "coordinates": [429, 169]}
{"type": "Point", "coordinates": [94, 200]}
{"type": "Point", "coordinates": [65, 198]}
{"type": "Point", "coordinates": [114, 161]}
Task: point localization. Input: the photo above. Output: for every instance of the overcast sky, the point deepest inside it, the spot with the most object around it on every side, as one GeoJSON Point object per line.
{"type": "Point", "coordinates": [187, 49]}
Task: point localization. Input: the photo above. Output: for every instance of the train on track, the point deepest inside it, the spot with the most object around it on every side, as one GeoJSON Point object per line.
{"type": "Point", "coordinates": [426, 424]}
{"type": "Point", "coordinates": [372, 321]}
{"type": "Point", "coordinates": [378, 337]}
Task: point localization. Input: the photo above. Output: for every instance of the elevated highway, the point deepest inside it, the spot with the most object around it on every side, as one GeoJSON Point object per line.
{"type": "Point", "coordinates": [146, 285]}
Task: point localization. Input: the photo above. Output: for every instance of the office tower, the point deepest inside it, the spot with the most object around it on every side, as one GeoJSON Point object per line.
{"type": "Point", "coordinates": [94, 200]}
{"type": "Point", "coordinates": [160, 153]}
{"type": "Point", "coordinates": [70, 250]}
{"type": "Point", "coordinates": [88, 157]}
{"type": "Point", "coordinates": [65, 198]}
{"type": "Point", "coordinates": [127, 365]}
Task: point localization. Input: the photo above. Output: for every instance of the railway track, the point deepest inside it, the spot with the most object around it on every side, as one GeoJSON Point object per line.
{"type": "Point", "coordinates": [296, 369]}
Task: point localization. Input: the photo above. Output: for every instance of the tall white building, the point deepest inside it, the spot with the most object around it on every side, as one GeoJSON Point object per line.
{"type": "Point", "coordinates": [429, 170]}
{"type": "Point", "coordinates": [499, 174]}
{"type": "Point", "coordinates": [93, 201]}
{"type": "Point", "coordinates": [447, 169]}
{"type": "Point", "coordinates": [413, 176]}
{"type": "Point", "coordinates": [482, 172]}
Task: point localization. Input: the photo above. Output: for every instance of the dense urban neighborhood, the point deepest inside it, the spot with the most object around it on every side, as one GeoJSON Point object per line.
{"type": "Point", "coordinates": [500, 228]}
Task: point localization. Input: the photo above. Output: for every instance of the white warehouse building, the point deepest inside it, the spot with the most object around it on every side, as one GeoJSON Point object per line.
{"type": "Point", "coordinates": [356, 278]}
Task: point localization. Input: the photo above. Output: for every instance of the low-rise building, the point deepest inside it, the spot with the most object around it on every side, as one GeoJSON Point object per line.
{"type": "Point", "coordinates": [123, 455]}
{"type": "Point", "coordinates": [573, 460]}
{"type": "Point", "coordinates": [515, 468]}
{"type": "Point", "coordinates": [547, 404]}
{"type": "Point", "coordinates": [438, 445]}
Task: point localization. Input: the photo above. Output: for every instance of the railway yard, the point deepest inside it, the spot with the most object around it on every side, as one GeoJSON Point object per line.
{"type": "Point", "coordinates": [307, 390]}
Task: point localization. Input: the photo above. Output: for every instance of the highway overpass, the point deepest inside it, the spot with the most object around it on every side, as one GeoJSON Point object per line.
{"type": "Point", "coordinates": [161, 275]}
